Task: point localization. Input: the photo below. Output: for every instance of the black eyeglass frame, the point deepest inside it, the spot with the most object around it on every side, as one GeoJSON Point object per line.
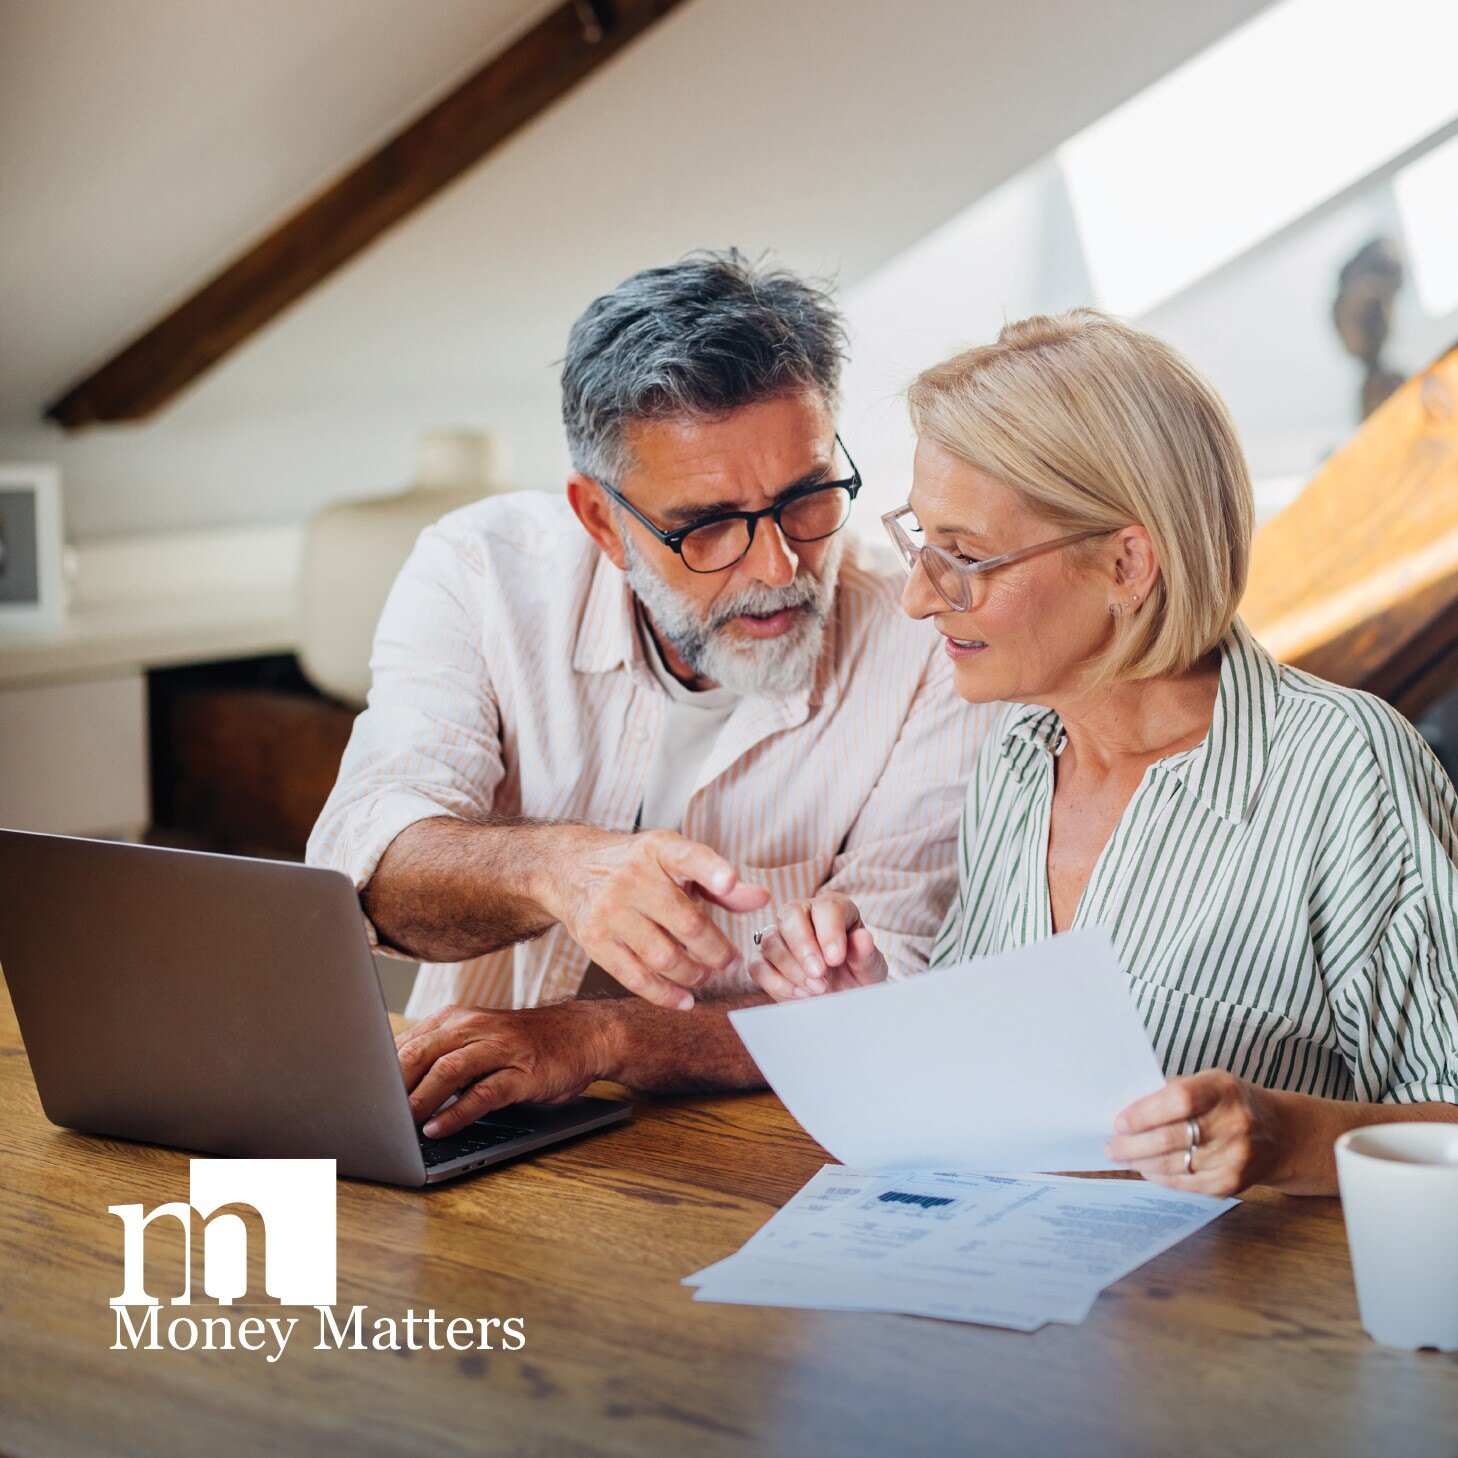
{"type": "Point", "coordinates": [674, 540]}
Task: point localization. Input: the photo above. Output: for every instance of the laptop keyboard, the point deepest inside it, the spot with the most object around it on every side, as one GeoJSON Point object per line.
{"type": "Point", "coordinates": [471, 1140]}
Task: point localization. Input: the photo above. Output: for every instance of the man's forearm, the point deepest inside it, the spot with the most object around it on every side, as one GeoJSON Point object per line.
{"type": "Point", "coordinates": [659, 1050]}
{"type": "Point", "coordinates": [449, 889]}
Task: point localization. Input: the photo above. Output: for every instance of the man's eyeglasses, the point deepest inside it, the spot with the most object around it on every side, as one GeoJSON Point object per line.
{"type": "Point", "coordinates": [953, 578]}
{"type": "Point", "coordinates": [718, 542]}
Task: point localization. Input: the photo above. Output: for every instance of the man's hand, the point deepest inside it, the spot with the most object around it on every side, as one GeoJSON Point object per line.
{"type": "Point", "coordinates": [635, 904]}
{"type": "Point", "coordinates": [543, 1055]}
{"type": "Point", "coordinates": [818, 944]}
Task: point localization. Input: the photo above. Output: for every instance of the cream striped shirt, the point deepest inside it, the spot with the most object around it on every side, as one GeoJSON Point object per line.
{"type": "Point", "coordinates": [1283, 897]}
{"type": "Point", "coordinates": [508, 677]}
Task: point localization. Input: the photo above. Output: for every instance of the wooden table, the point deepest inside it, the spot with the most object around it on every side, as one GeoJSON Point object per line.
{"type": "Point", "coordinates": [1242, 1340]}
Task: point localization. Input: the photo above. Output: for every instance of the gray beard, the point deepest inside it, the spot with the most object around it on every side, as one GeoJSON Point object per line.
{"type": "Point", "coordinates": [744, 666]}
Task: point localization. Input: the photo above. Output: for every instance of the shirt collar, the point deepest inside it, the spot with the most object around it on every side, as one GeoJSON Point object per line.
{"type": "Point", "coordinates": [1224, 771]}
{"type": "Point", "coordinates": [607, 637]}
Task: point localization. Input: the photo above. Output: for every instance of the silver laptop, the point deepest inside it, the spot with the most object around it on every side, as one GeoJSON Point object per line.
{"type": "Point", "coordinates": [227, 1006]}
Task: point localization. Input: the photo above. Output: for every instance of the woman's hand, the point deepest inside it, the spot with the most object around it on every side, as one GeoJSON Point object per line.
{"type": "Point", "coordinates": [1242, 1132]}
{"type": "Point", "coordinates": [818, 944]}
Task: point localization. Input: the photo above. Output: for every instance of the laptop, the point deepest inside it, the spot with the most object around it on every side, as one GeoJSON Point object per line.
{"type": "Point", "coordinates": [227, 1006]}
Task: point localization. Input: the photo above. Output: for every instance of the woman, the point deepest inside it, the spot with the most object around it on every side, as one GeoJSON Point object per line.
{"type": "Point", "coordinates": [1274, 856]}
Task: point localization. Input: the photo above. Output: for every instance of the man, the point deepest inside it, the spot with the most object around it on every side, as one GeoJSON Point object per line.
{"type": "Point", "coordinates": [603, 731]}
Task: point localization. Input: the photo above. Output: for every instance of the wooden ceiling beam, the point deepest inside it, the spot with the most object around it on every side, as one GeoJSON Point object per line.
{"type": "Point", "coordinates": [352, 212]}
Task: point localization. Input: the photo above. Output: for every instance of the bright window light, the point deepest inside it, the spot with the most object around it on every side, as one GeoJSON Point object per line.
{"type": "Point", "coordinates": [1268, 123]}
{"type": "Point", "coordinates": [1427, 202]}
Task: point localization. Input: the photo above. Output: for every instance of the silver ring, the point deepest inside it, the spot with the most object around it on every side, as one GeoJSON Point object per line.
{"type": "Point", "coordinates": [1192, 1128]}
{"type": "Point", "coordinates": [763, 932]}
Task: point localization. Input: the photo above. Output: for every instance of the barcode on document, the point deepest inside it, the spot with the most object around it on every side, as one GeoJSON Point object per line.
{"type": "Point", "coordinates": [927, 1202]}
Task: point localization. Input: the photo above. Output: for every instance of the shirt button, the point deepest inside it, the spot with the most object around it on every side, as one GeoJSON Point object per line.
{"type": "Point", "coordinates": [639, 736]}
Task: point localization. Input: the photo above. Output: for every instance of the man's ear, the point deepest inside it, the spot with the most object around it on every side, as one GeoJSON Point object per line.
{"type": "Point", "coordinates": [1136, 565]}
{"type": "Point", "coordinates": [595, 511]}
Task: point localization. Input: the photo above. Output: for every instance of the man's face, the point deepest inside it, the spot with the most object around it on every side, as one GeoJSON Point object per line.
{"type": "Point", "coordinates": [756, 626]}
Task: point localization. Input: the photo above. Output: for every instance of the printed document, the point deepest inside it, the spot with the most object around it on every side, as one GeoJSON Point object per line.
{"type": "Point", "coordinates": [943, 1095]}
{"type": "Point", "coordinates": [1014, 1251]}
{"type": "Point", "coordinates": [1003, 1064]}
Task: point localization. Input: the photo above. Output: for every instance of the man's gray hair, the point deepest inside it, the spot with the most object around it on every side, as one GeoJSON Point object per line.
{"type": "Point", "coordinates": [700, 337]}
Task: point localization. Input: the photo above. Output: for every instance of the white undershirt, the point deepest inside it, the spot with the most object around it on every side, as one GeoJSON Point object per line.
{"type": "Point", "coordinates": [692, 719]}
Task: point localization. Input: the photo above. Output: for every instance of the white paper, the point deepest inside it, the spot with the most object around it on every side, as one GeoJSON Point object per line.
{"type": "Point", "coordinates": [898, 1247]}
{"type": "Point", "coordinates": [1005, 1251]}
{"type": "Point", "coordinates": [1007, 1063]}
{"type": "Point", "coordinates": [829, 1186]}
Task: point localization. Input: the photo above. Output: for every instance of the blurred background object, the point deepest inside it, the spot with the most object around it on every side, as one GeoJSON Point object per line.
{"type": "Point", "coordinates": [32, 549]}
{"type": "Point", "coordinates": [1367, 288]}
{"type": "Point", "coordinates": [354, 549]}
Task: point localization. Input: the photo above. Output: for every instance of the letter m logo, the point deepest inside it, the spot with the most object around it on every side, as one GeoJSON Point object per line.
{"type": "Point", "coordinates": [286, 1206]}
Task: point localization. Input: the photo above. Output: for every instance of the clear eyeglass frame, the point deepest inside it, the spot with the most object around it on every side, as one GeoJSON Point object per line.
{"type": "Point", "coordinates": [954, 580]}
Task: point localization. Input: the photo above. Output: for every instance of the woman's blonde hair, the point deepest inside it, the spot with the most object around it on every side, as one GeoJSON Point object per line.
{"type": "Point", "coordinates": [1098, 425]}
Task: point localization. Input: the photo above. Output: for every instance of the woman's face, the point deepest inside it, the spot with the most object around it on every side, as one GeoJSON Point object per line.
{"type": "Point", "coordinates": [1034, 625]}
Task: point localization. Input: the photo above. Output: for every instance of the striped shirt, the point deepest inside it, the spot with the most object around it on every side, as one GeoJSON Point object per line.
{"type": "Point", "coordinates": [509, 678]}
{"type": "Point", "coordinates": [1283, 897]}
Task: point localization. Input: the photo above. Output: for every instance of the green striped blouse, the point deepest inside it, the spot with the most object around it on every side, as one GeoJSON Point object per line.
{"type": "Point", "coordinates": [1283, 897]}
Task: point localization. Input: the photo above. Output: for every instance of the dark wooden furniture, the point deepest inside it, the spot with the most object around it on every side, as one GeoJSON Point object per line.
{"type": "Point", "coordinates": [243, 756]}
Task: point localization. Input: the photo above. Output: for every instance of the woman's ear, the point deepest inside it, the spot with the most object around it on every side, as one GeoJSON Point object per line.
{"type": "Point", "coordinates": [599, 520]}
{"type": "Point", "coordinates": [1136, 569]}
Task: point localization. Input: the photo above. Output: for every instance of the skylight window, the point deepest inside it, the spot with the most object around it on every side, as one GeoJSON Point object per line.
{"type": "Point", "coordinates": [1427, 202]}
{"type": "Point", "coordinates": [1292, 108]}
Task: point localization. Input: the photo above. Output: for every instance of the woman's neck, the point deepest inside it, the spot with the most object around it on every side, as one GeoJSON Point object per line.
{"type": "Point", "coordinates": [1126, 723]}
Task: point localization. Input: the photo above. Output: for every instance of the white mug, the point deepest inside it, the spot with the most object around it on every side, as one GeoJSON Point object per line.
{"type": "Point", "coordinates": [1399, 1185]}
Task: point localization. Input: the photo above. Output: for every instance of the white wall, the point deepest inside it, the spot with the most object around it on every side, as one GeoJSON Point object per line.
{"type": "Point", "coordinates": [838, 132]}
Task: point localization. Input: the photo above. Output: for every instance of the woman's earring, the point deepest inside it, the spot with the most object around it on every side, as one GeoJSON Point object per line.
{"type": "Point", "coordinates": [1135, 599]}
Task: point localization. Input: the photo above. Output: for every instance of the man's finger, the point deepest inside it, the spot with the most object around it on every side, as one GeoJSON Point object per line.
{"type": "Point", "coordinates": [453, 1071]}
{"type": "Point", "coordinates": [418, 1055]}
{"type": "Point", "coordinates": [744, 897]}
{"type": "Point", "coordinates": [619, 961]}
{"type": "Point", "coordinates": [428, 1024]}
{"type": "Point", "coordinates": [689, 861]}
{"type": "Point", "coordinates": [485, 1096]}
{"type": "Point", "coordinates": [686, 921]}
{"type": "Point", "coordinates": [660, 954]}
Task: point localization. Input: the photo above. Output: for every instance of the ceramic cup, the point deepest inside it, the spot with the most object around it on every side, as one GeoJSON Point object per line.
{"type": "Point", "coordinates": [1399, 1185]}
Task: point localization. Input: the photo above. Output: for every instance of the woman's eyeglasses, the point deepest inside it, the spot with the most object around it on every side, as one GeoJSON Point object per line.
{"type": "Point", "coordinates": [717, 543]}
{"type": "Point", "coordinates": [953, 578]}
